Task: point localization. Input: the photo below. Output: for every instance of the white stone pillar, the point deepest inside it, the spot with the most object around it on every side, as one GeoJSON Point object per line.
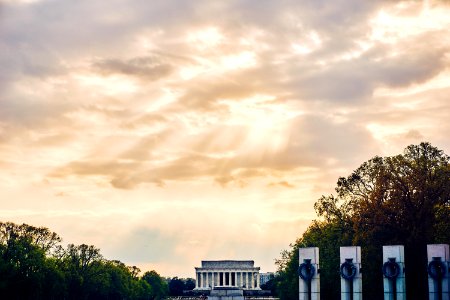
{"type": "Point", "coordinates": [196, 279]}
{"type": "Point", "coordinates": [351, 254]}
{"type": "Point", "coordinates": [253, 280]}
{"type": "Point", "coordinates": [229, 278]}
{"type": "Point", "coordinates": [235, 278]}
{"type": "Point", "coordinates": [258, 281]}
{"type": "Point", "coordinates": [309, 255]}
{"type": "Point", "coordinates": [241, 281]}
{"type": "Point", "coordinates": [438, 258]}
{"type": "Point", "coordinates": [246, 280]}
{"type": "Point", "coordinates": [395, 256]}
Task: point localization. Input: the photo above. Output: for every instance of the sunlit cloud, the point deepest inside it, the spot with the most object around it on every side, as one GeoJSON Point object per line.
{"type": "Point", "coordinates": [409, 19]}
{"type": "Point", "coordinates": [205, 38]}
{"type": "Point", "coordinates": [156, 125]}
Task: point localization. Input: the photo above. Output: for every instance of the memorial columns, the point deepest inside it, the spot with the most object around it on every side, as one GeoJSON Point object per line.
{"type": "Point", "coordinates": [210, 278]}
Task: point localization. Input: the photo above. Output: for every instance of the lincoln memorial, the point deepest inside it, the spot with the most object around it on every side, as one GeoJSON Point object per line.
{"type": "Point", "coordinates": [227, 273]}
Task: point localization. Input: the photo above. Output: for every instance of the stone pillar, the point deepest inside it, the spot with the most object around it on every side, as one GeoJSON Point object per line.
{"type": "Point", "coordinates": [310, 285]}
{"type": "Point", "coordinates": [393, 272]}
{"type": "Point", "coordinates": [438, 269]}
{"type": "Point", "coordinates": [242, 280]}
{"type": "Point", "coordinates": [246, 280]}
{"type": "Point", "coordinates": [351, 256]}
{"type": "Point", "coordinates": [258, 281]}
{"type": "Point", "coordinates": [196, 279]}
{"type": "Point", "coordinates": [253, 280]}
{"type": "Point", "coordinates": [213, 284]}
{"type": "Point", "coordinates": [235, 278]}
{"type": "Point", "coordinates": [229, 278]}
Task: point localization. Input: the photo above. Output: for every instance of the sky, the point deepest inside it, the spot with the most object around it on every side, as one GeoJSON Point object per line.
{"type": "Point", "coordinates": [170, 132]}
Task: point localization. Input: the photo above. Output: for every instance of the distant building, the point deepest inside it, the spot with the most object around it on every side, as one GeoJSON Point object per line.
{"type": "Point", "coordinates": [227, 273]}
{"type": "Point", "coordinates": [265, 277]}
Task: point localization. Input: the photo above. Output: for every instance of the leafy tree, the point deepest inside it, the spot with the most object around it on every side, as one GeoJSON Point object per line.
{"type": "Point", "coordinates": [176, 286]}
{"type": "Point", "coordinates": [189, 284]}
{"type": "Point", "coordinates": [86, 274]}
{"type": "Point", "coordinates": [33, 265]}
{"type": "Point", "coordinates": [403, 199]}
{"type": "Point", "coordinates": [25, 271]}
{"type": "Point", "coordinates": [38, 236]}
{"type": "Point", "coordinates": [159, 286]}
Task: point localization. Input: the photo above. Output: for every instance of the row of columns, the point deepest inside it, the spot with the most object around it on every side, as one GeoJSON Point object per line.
{"type": "Point", "coordinates": [203, 279]}
{"type": "Point", "coordinates": [393, 270]}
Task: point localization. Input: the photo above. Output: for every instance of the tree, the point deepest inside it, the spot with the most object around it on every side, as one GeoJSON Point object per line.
{"type": "Point", "coordinates": [189, 284]}
{"type": "Point", "coordinates": [399, 200]}
{"type": "Point", "coordinates": [86, 274]}
{"type": "Point", "coordinates": [403, 199]}
{"type": "Point", "coordinates": [176, 286]}
{"type": "Point", "coordinates": [33, 265]}
{"type": "Point", "coordinates": [25, 271]}
{"type": "Point", "coordinates": [158, 285]}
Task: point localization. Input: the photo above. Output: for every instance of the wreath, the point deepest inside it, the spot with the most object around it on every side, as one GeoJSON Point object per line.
{"type": "Point", "coordinates": [436, 269]}
{"type": "Point", "coordinates": [348, 270]}
{"type": "Point", "coordinates": [306, 271]}
{"type": "Point", "coordinates": [391, 269]}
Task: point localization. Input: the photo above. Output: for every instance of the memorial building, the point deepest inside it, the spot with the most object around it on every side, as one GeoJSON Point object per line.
{"type": "Point", "coordinates": [240, 274]}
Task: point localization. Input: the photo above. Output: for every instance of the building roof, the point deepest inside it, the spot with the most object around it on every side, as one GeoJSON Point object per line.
{"type": "Point", "coordinates": [228, 264]}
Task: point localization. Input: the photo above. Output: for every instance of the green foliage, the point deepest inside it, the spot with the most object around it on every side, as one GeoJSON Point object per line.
{"type": "Point", "coordinates": [178, 285]}
{"type": "Point", "coordinates": [271, 285]}
{"type": "Point", "coordinates": [403, 199]}
{"type": "Point", "coordinates": [159, 286]}
{"type": "Point", "coordinates": [34, 266]}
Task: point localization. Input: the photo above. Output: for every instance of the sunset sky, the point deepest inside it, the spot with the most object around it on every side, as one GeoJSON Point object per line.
{"type": "Point", "coordinates": [170, 132]}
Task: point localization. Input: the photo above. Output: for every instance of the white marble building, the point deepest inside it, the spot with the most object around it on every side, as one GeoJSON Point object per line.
{"type": "Point", "coordinates": [227, 273]}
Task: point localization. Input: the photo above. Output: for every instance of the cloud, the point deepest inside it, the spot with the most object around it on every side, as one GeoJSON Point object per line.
{"type": "Point", "coordinates": [194, 112]}
{"type": "Point", "coordinates": [147, 68]}
{"type": "Point", "coordinates": [281, 183]}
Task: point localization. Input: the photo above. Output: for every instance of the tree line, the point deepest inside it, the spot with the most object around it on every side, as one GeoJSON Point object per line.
{"type": "Point", "coordinates": [397, 200]}
{"type": "Point", "coordinates": [34, 265]}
